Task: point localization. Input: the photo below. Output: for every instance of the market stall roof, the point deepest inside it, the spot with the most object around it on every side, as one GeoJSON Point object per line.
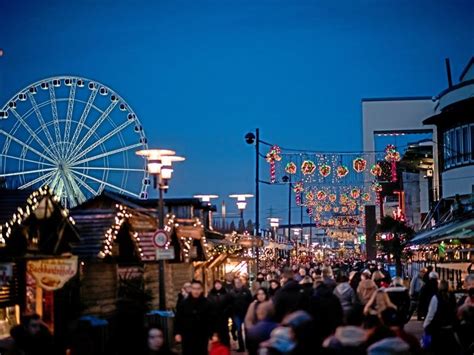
{"type": "Point", "coordinates": [459, 229]}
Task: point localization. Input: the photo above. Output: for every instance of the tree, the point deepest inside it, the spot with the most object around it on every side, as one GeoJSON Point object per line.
{"type": "Point", "coordinates": [397, 235]}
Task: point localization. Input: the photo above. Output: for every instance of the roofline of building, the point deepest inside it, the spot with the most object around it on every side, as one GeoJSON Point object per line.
{"type": "Point", "coordinates": [400, 98]}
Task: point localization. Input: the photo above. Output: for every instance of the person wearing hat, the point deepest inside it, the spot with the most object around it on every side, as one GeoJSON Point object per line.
{"type": "Point", "coordinates": [429, 289]}
{"type": "Point", "coordinates": [366, 287]}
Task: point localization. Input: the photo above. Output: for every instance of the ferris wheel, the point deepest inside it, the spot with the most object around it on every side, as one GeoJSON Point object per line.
{"type": "Point", "coordinates": [75, 135]}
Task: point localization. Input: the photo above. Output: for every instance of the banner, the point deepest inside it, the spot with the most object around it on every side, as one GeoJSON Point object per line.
{"type": "Point", "coordinates": [52, 274]}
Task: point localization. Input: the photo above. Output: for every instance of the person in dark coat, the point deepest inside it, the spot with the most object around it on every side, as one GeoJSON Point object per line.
{"type": "Point", "coordinates": [400, 297]}
{"type": "Point", "coordinates": [429, 289]}
{"type": "Point", "coordinates": [274, 287]}
{"type": "Point", "coordinates": [326, 311]}
{"type": "Point", "coordinates": [193, 327]}
{"type": "Point", "coordinates": [221, 304]}
{"type": "Point", "coordinates": [289, 298]}
{"type": "Point", "coordinates": [241, 299]}
{"type": "Point", "coordinates": [32, 337]}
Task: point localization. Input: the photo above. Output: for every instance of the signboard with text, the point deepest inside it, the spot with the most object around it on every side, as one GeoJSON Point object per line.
{"type": "Point", "coordinates": [52, 274]}
{"type": "Point", "coordinates": [165, 254]}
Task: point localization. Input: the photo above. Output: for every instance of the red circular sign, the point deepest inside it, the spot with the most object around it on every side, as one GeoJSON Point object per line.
{"type": "Point", "coordinates": [160, 239]}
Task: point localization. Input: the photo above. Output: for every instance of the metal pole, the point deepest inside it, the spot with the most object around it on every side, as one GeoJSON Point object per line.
{"type": "Point", "coordinates": [289, 209]}
{"type": "Point", "coordinates": [257, 193]}
{"type": "Point", "coordinates": [161, 263]}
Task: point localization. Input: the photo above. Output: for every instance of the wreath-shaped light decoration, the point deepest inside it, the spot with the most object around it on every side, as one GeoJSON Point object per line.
{"type": "Point", "coordinates": [377, 188]}
{"type": "Point", "coordinates": [361, 208]}
{"type": "Point", "coordinates": [332, 198]}
{"type": "Point", "coordinates": [319, 208]}
{"type": "Point", "coordinates": [291, 168]}
{"type": "Point", "coordinates": [359, 164]}
{"type": "Point", "coordinates": [336, 209]}
{"type": "Point", "coordinates": [321, 195]}
{"type": "Point", "coordinates": [376, 170]}
{"type": "Point", "coordinates": [342, 171]}
{"type": "Point", "coordinates": [273, 156]}
{"type": "Point", "coordinates": [325, 170]}
{"type": "Point", "coordinates": [327, 208]}
{"type": "Point", "coordinates": [343, 199]}
{"type": "Point", "coordinates": [308, 167]}
{"type": "Point", "coordinates": [331, 221]}
{"type": "Point", "coordinates": [352, 205]}
{"type": "Point", "coordinates": [392, 156]}
{"type": "Point", "coordinates": [309, 196]}
{"type": "Point", "coordinates": [355, 193]}
{"type": "Point", "coordinates": [344, 209]}
{"type": "Point", "coordinates": [366, 196]}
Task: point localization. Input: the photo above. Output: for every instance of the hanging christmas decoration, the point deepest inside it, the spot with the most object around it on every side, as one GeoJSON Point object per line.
{"type": "Point", "coordinates": [376, 170]}
{"type": "Point", "coordinates": [343, 199]}
{"type": "Point", "coordinates": [298, 188]}
{"type": "Point", "coordinates": [332, 197]}
{"type": "Point", "coordinates": [392, 156]}
{"type": "Point", "coordinates": [273, 156]}
{"type": "Point", "coordinates": [366, 196]}
{"type": "Point", "coordinates": [308, 167]}
{"type": "Point", "coordinates": [327, 208]}
{"type": "Point", "coordinates": [321, 195]}
{"type": "Point", "coordinates": [325, 170]}
{"type": "Point", "coordinates": [355, 193]}
{"type": "Point", "coordinates": [309, 196]}
{"type": "Point", "coordinates": [342, 171]}
{"type": "Point", "coordinates": [319, 208]}
{"type": "Point", "coordinates": [291, 168]}
{"type": "Point", "coordinates": [359, 164]}
{"type": "Point", "coordinates": [376, 187]}
{"type": "Point", "coordinates": [361, 208]}
{"type": "Point", "coordinates": [331, 221]}
{"type": "Point", "coordinates": [344, 209]}
{"type": "Point", "coordinates": [336, 209]}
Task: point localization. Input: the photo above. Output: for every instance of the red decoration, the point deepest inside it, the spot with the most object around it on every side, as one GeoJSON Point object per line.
{"type": "Point", "coordinates": [291, 168]}
{"type": "Point", "coordinates": [376, 170]}
{"type": "Point", "coordinates": [298, 188]}
{"type": "Point", "coordinates": [309, 196]}
{"type": "Point", "coordinates": [324, 170]}
{"type": "Point", "coordinates": [308, 167]}
{"type": "Point", "coordinates": [321, 195]}
{"type": "Point", "coordinates": [272, 156]}
{"type": "Point", "coordinates": [359, 164]}
{"type": "Point", "coordinates": [355, 193]}
{"type": "Point", "coordinates": [366, 196]}
{"type": "Point", "coordinates": [392, 156]}
{"type": "Point", "coordinates": [342, 171]}
{"type": "Point", "coordinates": [332, 197]}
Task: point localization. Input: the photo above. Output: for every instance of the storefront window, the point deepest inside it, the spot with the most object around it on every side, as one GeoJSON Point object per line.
{"type": "Point", "coordinates": [458, 146]}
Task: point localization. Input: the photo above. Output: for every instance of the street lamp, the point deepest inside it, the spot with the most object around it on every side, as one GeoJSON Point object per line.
{"type": "Point", "coordinates": [207, 200]}
{"type": "Point", "coordinates": [274, 223]}
{"type": "Point", "coordinates": [160, 165]}
{"type": "Point", "coordinates": [241, 202]}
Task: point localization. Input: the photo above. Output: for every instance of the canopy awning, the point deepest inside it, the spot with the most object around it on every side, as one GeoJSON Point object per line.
{"type": "Point", "coordinates": [460, 229]}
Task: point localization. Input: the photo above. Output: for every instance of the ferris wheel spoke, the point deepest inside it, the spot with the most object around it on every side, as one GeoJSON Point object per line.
{"type": "Point", "coordinates": [102, 140]}
{"type": "Point", "coordinates": [23, 144]}
{"type": "Point", "coordinates": [32, 132]}
{"type": "Point", "coordinates": [118, 188]}
{"type": "Point", "coordinates": [82, 120]}
{"type": "Point", "coordinates": [35, 181]}
{"type": "Point", "coordinates": [26, 160]}
{"type": "Point", "coordinates": [70, 187]}
{"type": "Point", "coordinates": [54, 110]}
{"type": "Point", "coordinates": [106, 168]}
{"type": "Point", "coordinates": [19, 173]}
{"type": "Point", "coordinates": [44, 127]}
{"type": "Point", "coordinates": [94, 128]}
{"type": "Point", "coordinates": [106, 154]}
{"type": "Point", "coordinates": [70, 110]}
{"type": "Point", "coordinates": [87, 187]}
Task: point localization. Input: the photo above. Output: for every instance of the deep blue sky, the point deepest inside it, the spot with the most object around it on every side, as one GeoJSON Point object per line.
{"type": "Point", "coordinates": [200, 74]}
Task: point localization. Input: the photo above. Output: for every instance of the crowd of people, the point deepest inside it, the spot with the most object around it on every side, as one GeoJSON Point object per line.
{"type": "Point", "coordinates": [338, 308]}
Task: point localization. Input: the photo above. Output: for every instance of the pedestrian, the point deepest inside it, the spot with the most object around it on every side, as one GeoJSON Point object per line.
{"type": "Point", "coordinates": [274, 287]}
{"type": "Point", "coordinates": [288, 299]}
{"type": "Point", "coordinates": [263, 281]}
{"type": "Point", "coordinates": [346, 295]}
{"type": "Point", "coordinates": [32, 336]}
{"type": "Point", "coordinates": [366, 287]}
{"type": "Point", "coordinates": [415, 287]}
{"type": "Point", "coordinates": [155, 342]}
{"type": "Point", "coordinates": [379, 278]}
{"type": "Point", "coordinates": [328, 277]}
{"type": "Point", "coordinates": [392, 320]}
{"type": "Point", "coordinates": [218, 347]}
{"type": "Point", "coordinates": [441, 319]}
{"type": "Point", "coordinates": [229, 282]}
{"type": "Point", "coordinates": [241, 299]}
{"type": "Point", "coordinates": [429, 289]}
{"type": "Point", "coordinates": [251, 316]}
{"type": "Point", "coordinates": [399, 296]}
{"type": "Point", "coordinates": [193, 322]}
{"type": "Point", "coordinates": [183, 293]}
{"type": "Point", "coordinates": [261, 331]}
{"type": "Point", "coordinates": [354, 279]}
{"type": "Point", "coordinates": [378, 303]}
{"type": "Point", "coordinates": [221, 306]}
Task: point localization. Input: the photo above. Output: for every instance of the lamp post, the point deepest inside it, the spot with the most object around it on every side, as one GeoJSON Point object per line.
{"type": "Point", "coordinates": [241, 202]}
{"type": "Point", "coordinates": [159, 165]}
{"type": "Point", "coordinates": [207, 200]}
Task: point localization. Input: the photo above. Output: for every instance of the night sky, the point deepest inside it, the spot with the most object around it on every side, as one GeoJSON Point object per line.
{"type": "Point", "coordinates": [201, 74]}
